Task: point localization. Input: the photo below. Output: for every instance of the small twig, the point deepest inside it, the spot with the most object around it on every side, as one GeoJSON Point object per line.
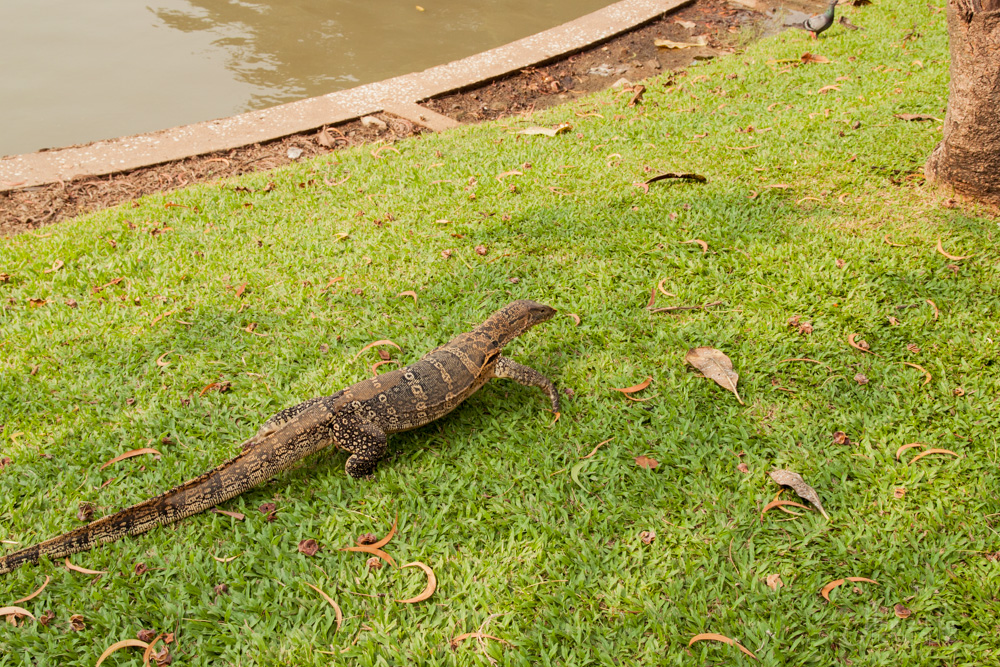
{"type": "Point", "coordinates": [671, 308]}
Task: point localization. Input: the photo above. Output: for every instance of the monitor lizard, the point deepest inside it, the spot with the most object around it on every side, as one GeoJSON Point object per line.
{"type": "Point", "coordinates": [356, 419]}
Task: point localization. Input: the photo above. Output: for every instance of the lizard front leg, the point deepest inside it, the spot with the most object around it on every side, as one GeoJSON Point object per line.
{"type": "Point", "coordinates": [365, 441]}
{"type": "Point", "coordinates": [529, 377]}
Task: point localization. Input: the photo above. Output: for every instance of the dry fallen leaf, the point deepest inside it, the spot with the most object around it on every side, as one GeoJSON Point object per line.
{"type": "Point", "coordinates": [901, 611]}
{"type": "Point", "coordinates": [861, 379]}
{"type": "Point", "coordinates": [76, 623]}
{"type": "Point", "coordinates": [309, 547]}
{"type": "Point", "coordinates": [898, 493]}
{"type": "Point", "coordinates": [953, 258]}
{"type": "Point", "coordinates": [82, 570]}
{"type": "Point", "coordinates": [813, 58]}
{"type": "Point", "coordinates": [711, 636]}
{"type": "Point", "coordinates": [934, 306]}
{"type": "Point", "coordinates": [702, 244]}
{"type": "Point", "coordinates": [907, 446]}
{"type": "Point", "coordinates": [574, 317]}
{"type": "Point", "coordinates": [932, 451]}
{"type": "Point", "coordinates": [647, 536]}
{"type": "Point", "coordinates": [547, 131]}
{"type": "Point", "coordinates": [596, 447]}
{"type": "Point", "coordinates": [636, 387]}
{"type": "Point", "coordinates": [859, 345]}
{"type": "Point", "coordinates": [56, 265]}
{"type": "Point", "coordinates": [920, 368]}
{"type": "Point", "coordinates": [774, 581]}
{"type": "Point", "coordinates": [235, 515]}
{"type": "Point", "coordinates": [781, 504]}
{"type": "Point", "coordinates": [473, 635]}
{"type": "Point", "coordinates": [336, 607]}
{"type": "Point", "coordinates": [795, 481]}
{"type": "Point", "coordinates": [646, 462]}
{"type": "Point", "coordinates": [409, 293]}
{"type": "Point", "coordinates": [431, 584]}
{"type": "Point", "coordinates": [743, 468]}
{"type": "Point", "coordinates": [699, 40]}
{"type": "Point", "coordinates": [35, 594]}
{"type": "Point", "coordinates": [13, 610]}
{"type": "Point", "coordinates": [840, 438]}
{"type": "Point", "coordinates": [376, 343]}
{"type": "Point", "coordinates": [126, 643]}
{"type": "Point", "coordinates": [833, 584]}
{"type": "Point", "coordinates": [716, 366]}
{"type": "Point", "coordinates": [894, 245]}
{"type": "Point", "coordinates": [128, 455]}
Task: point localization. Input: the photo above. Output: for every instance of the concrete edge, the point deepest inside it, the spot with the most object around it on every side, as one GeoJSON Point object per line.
{"type": "Point", "coordinates": [398, 95]}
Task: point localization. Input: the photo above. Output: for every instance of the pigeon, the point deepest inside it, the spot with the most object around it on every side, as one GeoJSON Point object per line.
{"type": "Point", "coordinates": [820, 22]}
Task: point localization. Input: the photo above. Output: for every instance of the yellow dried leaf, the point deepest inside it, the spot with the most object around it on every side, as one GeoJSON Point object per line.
{"type": "Point", "coordinates": [128, 455]}
{"type": "Point", "coordinates": [125, 643]}
{"type": "Point", "coordinates": [716, 366]}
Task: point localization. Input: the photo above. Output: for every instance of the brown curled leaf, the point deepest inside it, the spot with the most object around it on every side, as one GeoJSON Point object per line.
{"type": "Point", "coordinates": [921, 369]}
{"type": "Point", "coordinates": [592, 452]}
{"type": "Point", "coordinates": [833, 584]}
{"type": "Point", "coordinates": [374, 368]}
{"type": "Point", "coordinates": [711, 636]}
{"type": "Point", "coordinates": [239, 516]}
{"type": "Point", "coordinates": [336, 607]}
{"type": "Point", "coordinates": [473, 635]}
{"type": "Point", "coordinates": [409, 293]}
{"type": "Point", "coordinates": [702, 244]}
{"type": "Point", "coordinates": [859, 345]}
{"type": "Point", "coordinates": [932, 451]}
{"type": "Point", "coordinates": [82, 570]}
{"type": "Point", "coordinates": [574, 317]}
{"type": "Point", "coordinates": [953, 258]}
{"type": "Point", "coordinates": [376, 343]}
{"type": "Point", "coordinates": [11, 610]}
{"type": "Point", "coordinates": [392, 531]}
{"type": "Point", "coordinates": [894, 245]}
{"type": "Point", "coordinates": [652, 298]}
{"type": "Point", "coordinates": [147, 655]}
{"type": "Point", "coordinates": [428, 590]}
{"type": "Point", "coordinates": [226, 560]}
{"type": "Point", "coordinates": [35, 594]}
{"type": "Point", "coordinates": [161, 362]}
{"type": "Point", "coordinates": [368, 549]}
{"type": "Point", "coordinates": [781, 504]}
{"type": "Point", "coordinates": [636, 387]}
{"type": "Point", "coordinates": [934, 306]}
{"type": "Point", "coordinates": [899, 452]}
{"type": "Point", "coordinates": [117, 646]}
{"type": "Point", "coordinates": [128, 455]}
{"type": "Point", "coordinates": [659, 286]}
{"type": "Point", "coordinates": [716, 366]}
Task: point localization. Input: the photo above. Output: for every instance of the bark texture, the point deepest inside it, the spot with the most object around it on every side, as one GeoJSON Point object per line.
{"type": "Point", "coordinates": [968, 157]}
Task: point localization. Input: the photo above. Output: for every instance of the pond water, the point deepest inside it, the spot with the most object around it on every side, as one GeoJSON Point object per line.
{"type": "Point", "coordinates": [74, 71]}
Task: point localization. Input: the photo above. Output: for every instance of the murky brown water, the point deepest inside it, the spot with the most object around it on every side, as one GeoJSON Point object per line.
{"type": "Point", "coordinates": [73, 71]}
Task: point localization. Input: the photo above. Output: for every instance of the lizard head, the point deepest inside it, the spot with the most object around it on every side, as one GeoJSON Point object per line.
{"type": "Point", "coordinates": [517, 317]}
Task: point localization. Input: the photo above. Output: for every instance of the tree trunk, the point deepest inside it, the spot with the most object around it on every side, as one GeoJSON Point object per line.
{"type": "Point", "coordinates": [968, 157]}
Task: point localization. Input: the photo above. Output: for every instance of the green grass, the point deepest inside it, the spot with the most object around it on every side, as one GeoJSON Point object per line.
{"type": "Point", "coordinates": [485, 496]}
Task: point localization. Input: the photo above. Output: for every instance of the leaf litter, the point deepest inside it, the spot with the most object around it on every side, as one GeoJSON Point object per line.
{"type": "Point", "coordinates": [833, 584]}
{"type": "Point", "coordinates": [428, 590]}
{"type": "Point", "coordinates": [716, 366]}
{"type": "Point", "coordinates": [336, 608]}
{"type": "Point", "coordinates": [797, 484]}
{"type": "Point", "coordinates": [711, 636]}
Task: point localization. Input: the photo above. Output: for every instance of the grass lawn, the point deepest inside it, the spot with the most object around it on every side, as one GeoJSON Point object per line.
{"type": "Point", "coordinates": [808, 215]}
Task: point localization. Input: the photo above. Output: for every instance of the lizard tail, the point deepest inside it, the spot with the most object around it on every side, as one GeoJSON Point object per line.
{"type": "Point", "coordinates": [197, 495]}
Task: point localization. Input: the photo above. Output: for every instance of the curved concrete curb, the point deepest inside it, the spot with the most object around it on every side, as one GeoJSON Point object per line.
{"type": "Point", "coordinates": [398, 96]}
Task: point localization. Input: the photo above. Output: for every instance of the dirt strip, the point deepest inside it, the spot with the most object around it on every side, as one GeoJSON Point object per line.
{"type": "Point", "coordinates": [631, 56]}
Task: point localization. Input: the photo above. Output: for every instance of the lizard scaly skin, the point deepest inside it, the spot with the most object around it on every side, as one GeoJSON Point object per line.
{"type": "Point", "coordinates": [356, 419]}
